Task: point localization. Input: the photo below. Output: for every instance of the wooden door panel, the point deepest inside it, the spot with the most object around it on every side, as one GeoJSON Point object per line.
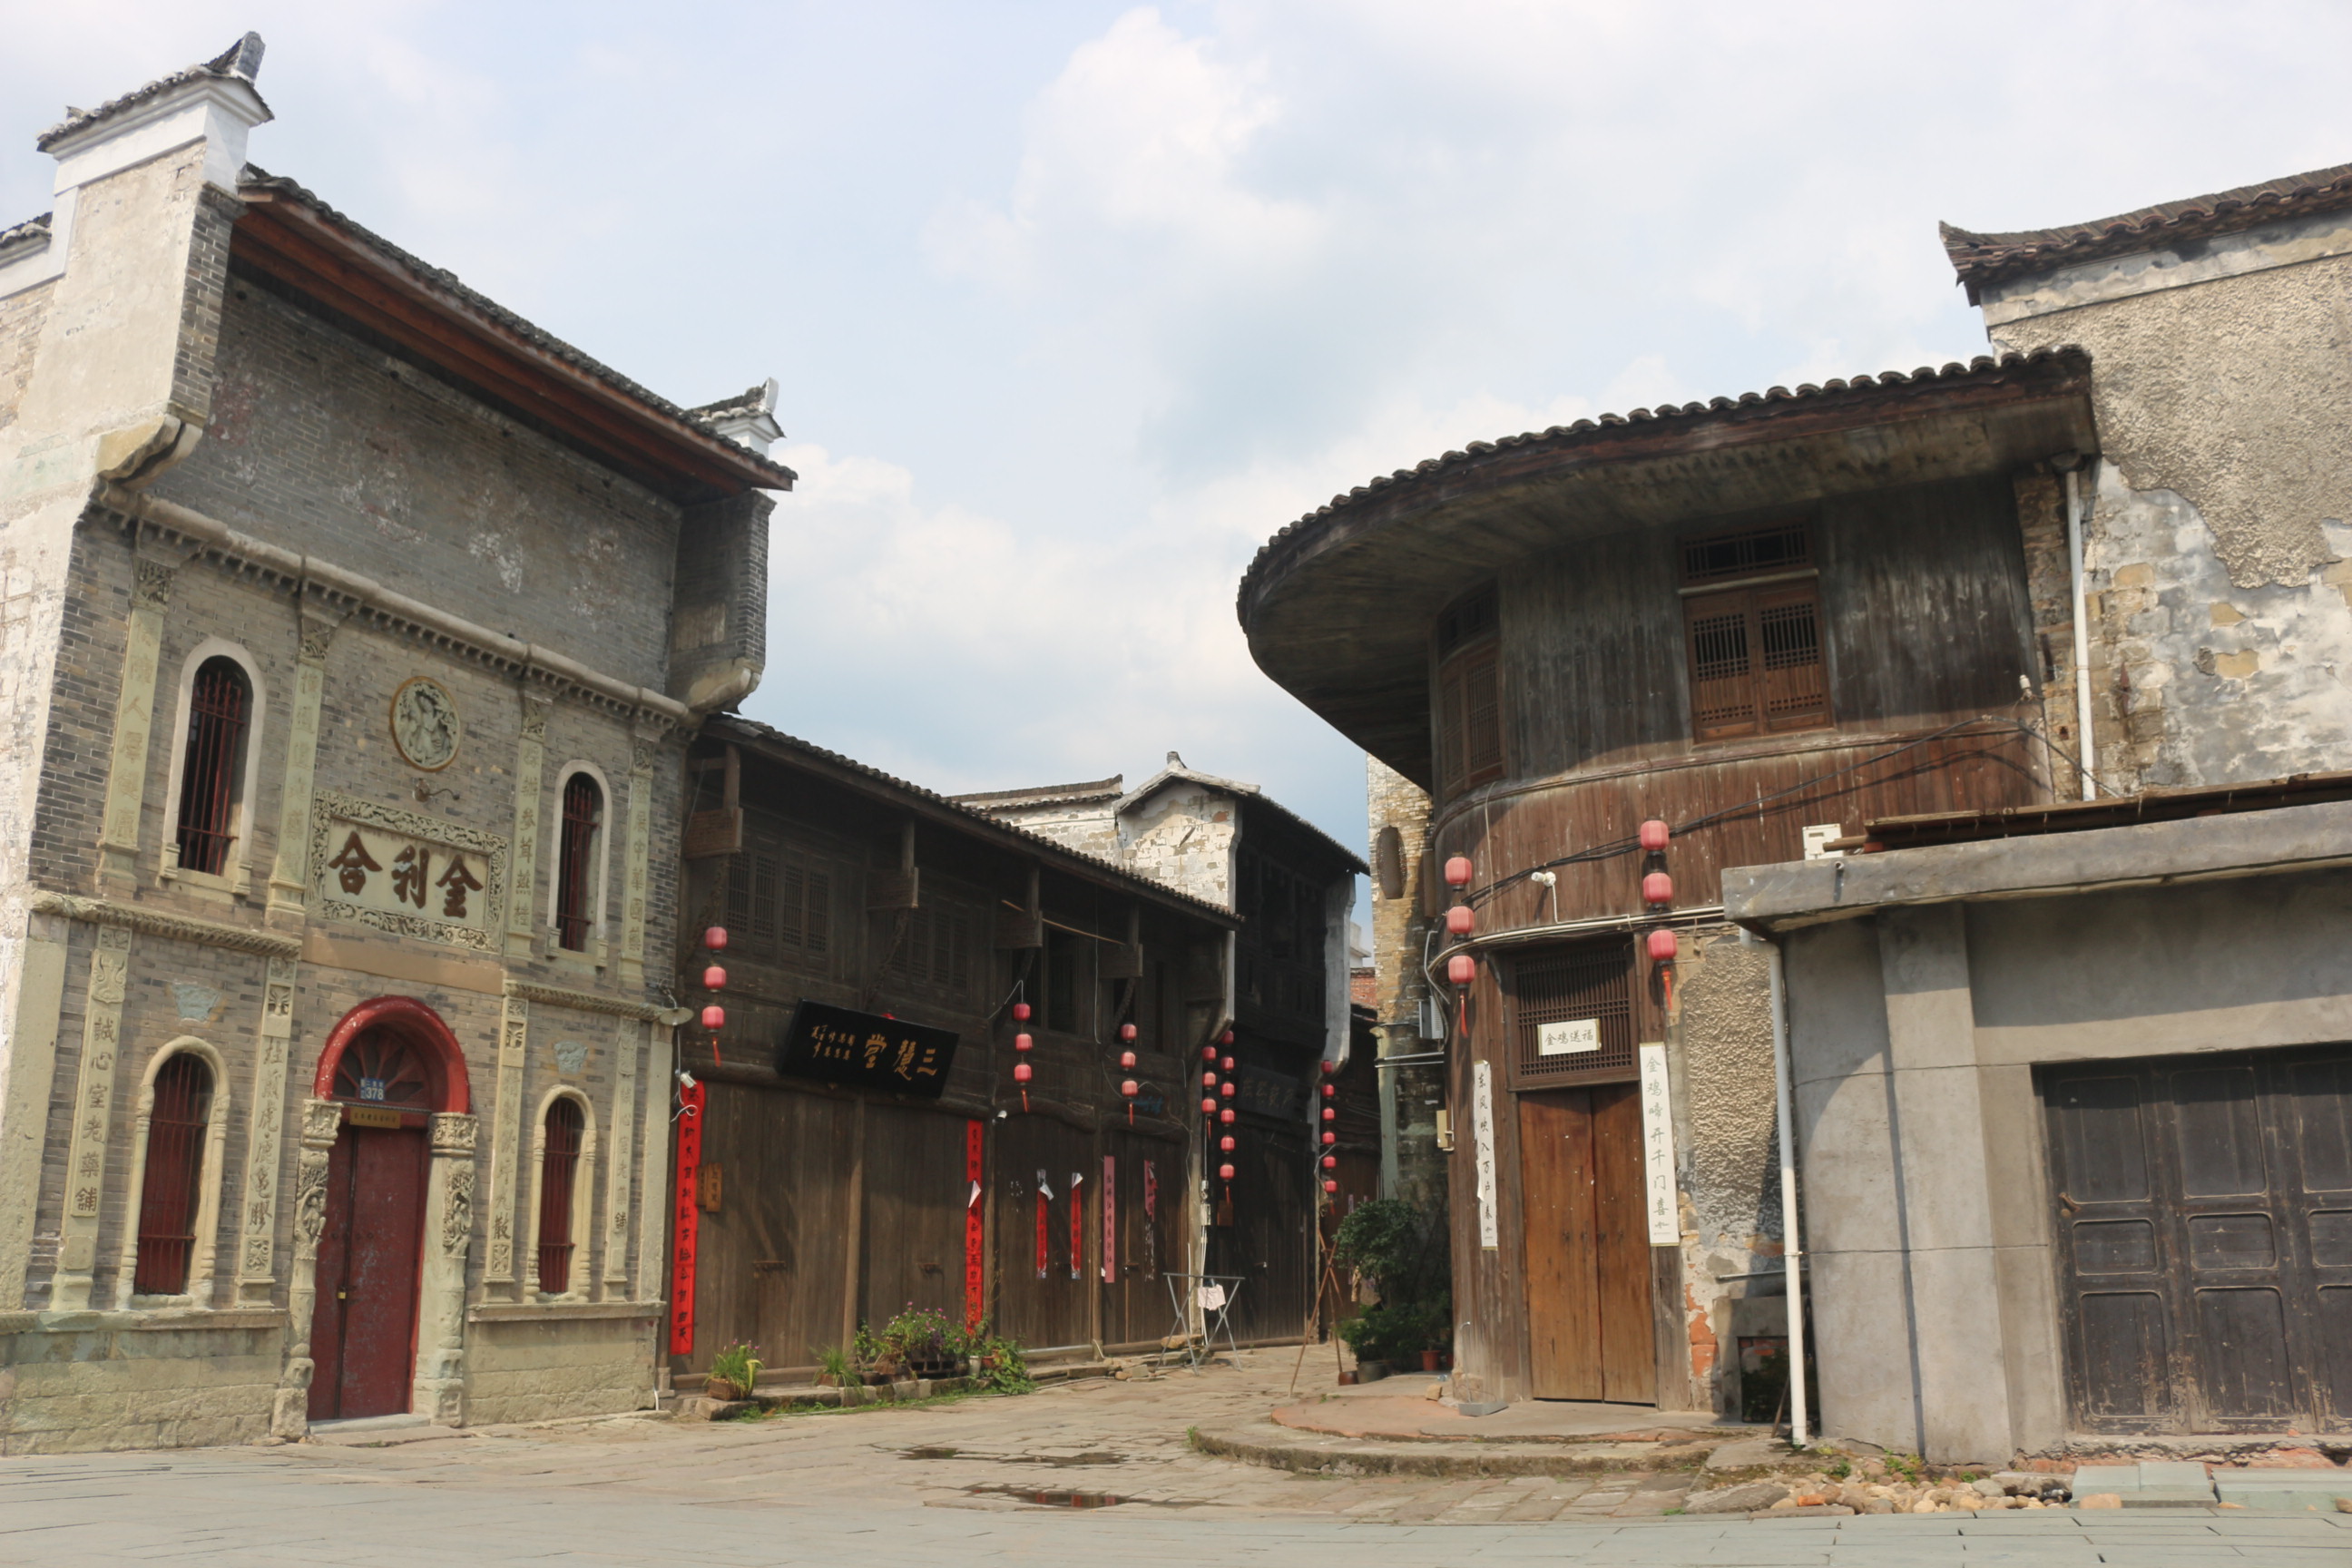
{"type": "Point", "coordinates": [1628, 1365]}
{"type": "Point", "coordinates": [2122, 1355]}
{"type": "Point", "coordinates": [363, 1327]}
{"type": "Point", "coordinates": [1561, 1254]}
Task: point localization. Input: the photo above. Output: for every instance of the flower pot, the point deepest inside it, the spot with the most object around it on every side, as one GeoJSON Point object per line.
{"type": "Point", "coordinates": [1347, 1380]}
{"type": "Point", "coordinates": [1429, 1360]}
{"type": "Point", "coordinates": [719, 1388]}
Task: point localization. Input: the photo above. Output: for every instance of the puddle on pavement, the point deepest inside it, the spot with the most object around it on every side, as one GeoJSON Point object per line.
{"type": "Point", "coordinates": [1069, 1500]}
{"type": "Point", "coordinates": [1091, 1457]}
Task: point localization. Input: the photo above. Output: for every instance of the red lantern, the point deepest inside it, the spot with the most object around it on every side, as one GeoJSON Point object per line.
{"type": "Point", "coordinates": [1208, 1081]}
{"type": "Point", "coordinates": [1227, 1063]}
{"type": "Point", "coordinates": [1654, 835]}
{"type": "Point", "coordinates": [1657, 887]}
{"type": "Point", "coordinates": [1330, 1089]}
{"type": "Point", "coordinates": [1663, 946]}
{"type": "Point", "coordinates": [1331, 1138]}
{"type": "Point", "coordinates": [1460, 921]}
{"type": "Point", "coordinates": [715, 938]}
{"type": "Point", "coordinates": [1127, 1061]}
{"type": "Point", "coordinates": [1461, 968]}
{"type": "Point", "coordinates": [1207, 1106]}
{"type": "Point", "coordinates": [1226, 1144]}
{"type": "Point", "coordinates": [1021, 1012]}
{"type": "Point", "coordinates": [1227, 1171]}
{"type": "Point", "coordinates": [1457, 871]}
{"type": "Point", "coordinates": [1330, 1068]}
{"type": "Point", "coordinates": [1330, 1186]}
{"type": "Point", "coordinates": [714, 979]}
{"type": "Point", "coordinates": [1227, 1116]}
{"type": "Point", "coordinates": [1023, 1043]}
{"type": "Point", "coordinates": [714, 1018]}
{"type": "Point", "coordinates": [1330, 1114]}
{"type": "Point", "coordinates": [1208, 1053]}
{"type": "Point", "coordinates": [1228, 1038]}
{"type": "Point", "coordinates": [1226, 1090]}
{"type": "Point", "coordinates": [1331, 1162]}
{"type": "Point", "coordinates": [1126, 1031]}
{"type": "Point", "coordinates": [1128, 1089]}
{"type": "Point", "coordinates": [1022, 1072]}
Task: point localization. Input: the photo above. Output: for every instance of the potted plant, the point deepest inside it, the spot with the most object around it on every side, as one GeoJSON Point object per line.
{"type": "Point", "coordinates": [734, 1373]}
{"type": "Point", "coordinates": [834, 1369]}
{"type": "Point", "coordinates": [1401, 1254]}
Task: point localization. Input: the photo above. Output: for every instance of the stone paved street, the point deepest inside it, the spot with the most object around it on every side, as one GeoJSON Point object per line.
{"type": "Point", "coordinates": [963, 1482]}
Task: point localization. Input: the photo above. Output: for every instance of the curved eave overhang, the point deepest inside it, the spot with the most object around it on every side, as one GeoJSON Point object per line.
{"type": "Point", "coordinates": [344, 270]}
{"type": "Point", "coordinates": [1337, 607]}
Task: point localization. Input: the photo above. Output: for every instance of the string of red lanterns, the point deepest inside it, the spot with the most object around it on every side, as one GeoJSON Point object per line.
{"type": "Point", "coordinates": [1128, 1088]}
{"type": "Point", "coordinates": [1330, 1160]}
{"type": "Point", "coordinates": [1658, 897]}
{"type": "Point", "coordinates": [714, 980]}
{"type": "Point", "coordinates": [1021, 1046]}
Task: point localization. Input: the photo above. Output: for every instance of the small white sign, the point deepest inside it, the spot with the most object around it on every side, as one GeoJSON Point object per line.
{"type": "Point", "coordinates": [1658, 1149]}
{"type": "Point", "coordinates": [1482, 1134]}
{"type": "Point", "coordinates": [1567, 1039]}
{"type": "Point", "coordinates": [1818, 839]}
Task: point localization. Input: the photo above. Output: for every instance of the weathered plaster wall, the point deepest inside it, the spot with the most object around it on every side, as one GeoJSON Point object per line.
{"type": "Point", "coordinates": [136, 1380]}
{"type": "Point", "coordinates": [544, 1371]}
{"type": "Point", "coordinates": [1184, 837]}
{"type": "Point", "coordinates": [2222, 590]}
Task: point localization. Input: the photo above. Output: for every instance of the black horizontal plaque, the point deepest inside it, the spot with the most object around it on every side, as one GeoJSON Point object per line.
{"type": "Point", "coordinates": [866, 1049]}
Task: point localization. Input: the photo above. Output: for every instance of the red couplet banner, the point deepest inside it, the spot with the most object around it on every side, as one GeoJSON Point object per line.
{"type": "Point", "coordinates": [1110, 1219]}
{"type": "Point", "coordinates": [975, 1286]}
{"type": "Point", "coordinates": [689, 1216]}
{"type": "Point", "coordinates": [1078, 1223]}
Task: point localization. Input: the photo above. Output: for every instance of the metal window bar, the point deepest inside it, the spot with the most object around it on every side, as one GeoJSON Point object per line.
{"type": "Point", "coordinates": [208, 782]}
{"type": "Point", "coordinates": [583, 811]}
{"type": "Point", "coordinates": [175, 1161]}
{"type": "Point", "coordinates": [559, 1161]}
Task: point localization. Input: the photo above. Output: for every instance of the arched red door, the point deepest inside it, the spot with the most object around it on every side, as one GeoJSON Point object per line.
{"type": "Point", "coordinates": [391, 1063]}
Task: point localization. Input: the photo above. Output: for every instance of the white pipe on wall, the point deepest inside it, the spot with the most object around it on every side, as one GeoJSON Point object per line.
{"type": "Point", "coordinates": [1799, 1420]}
{"type": "Point", "coordinates": [2084, 747]}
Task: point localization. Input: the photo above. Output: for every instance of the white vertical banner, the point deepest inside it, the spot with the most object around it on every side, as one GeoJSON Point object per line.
{"type": "Point", "coordinates": [1658, 1149]}
{"type": "Point", "coordinates": [1482, 1135]}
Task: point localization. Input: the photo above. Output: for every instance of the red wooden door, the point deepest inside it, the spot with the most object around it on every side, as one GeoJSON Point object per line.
{"type": "Point", "coordinates": [363, 1326]}
{"type": "Point", "coordinates": [1587, 1238]}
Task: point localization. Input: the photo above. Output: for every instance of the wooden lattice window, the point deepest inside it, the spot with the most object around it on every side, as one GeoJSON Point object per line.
{"type": "Point", "coordinates": [778, 906]}
{"type": "Point", "coordinates": [220, 706]}
{"type": "Point", "coordinates": [170, 1195]}
{"type": "Point", "coordinates": [935, 951]}
{"type": "Point", "coordinates": [559, 1161]}
{"type": "Point", "coordinates": [1469, 695]}
{"type": "Point", "coordinates": [1756, 665]}
{"type": "Point", "coordinates": [575, 879]}
{"type": "Point", "coordinates": [1573, 1017]}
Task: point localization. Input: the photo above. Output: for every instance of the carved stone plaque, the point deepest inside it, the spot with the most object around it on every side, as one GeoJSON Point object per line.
{"type": "Point", "coordinates": [407, 874]}
{"type": "Point", "coordinates": [424, 723]}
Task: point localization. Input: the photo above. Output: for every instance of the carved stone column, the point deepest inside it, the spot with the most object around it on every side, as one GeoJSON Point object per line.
{"type": "Point", "coordinates": [94, 1108]}
{"type": "Point", "coordinates": [135, 718]}
{"type": "Point", "coordinates": [440, 1390]}
{"type": "Point", "coordinates": [506, 1113]}
{"type": "Point", "coordinates": [643, 749]}
{"type": "Point", "coordinates": [522, 877]}
{"type": "Point", "coordinates": [289, 875]}
{"type": "Point", "coordinates": [654, 1167]}
{"type": "Point", "coordinates": [628, 1041]}
{"type": "Point", "coordinates": [322, 1121]}
{"type": "Point", "coordinates": [257, 1226]}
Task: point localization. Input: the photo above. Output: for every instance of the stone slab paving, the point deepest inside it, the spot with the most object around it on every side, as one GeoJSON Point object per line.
{"type": "Point", "coordinates": [841, 1489]}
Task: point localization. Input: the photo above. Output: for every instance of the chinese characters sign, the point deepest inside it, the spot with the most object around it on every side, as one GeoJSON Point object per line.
{"type": "Point", "coordinates": [407, 874]}
{"type": "Point", "coordinates": [1482, 1139]}
{"type": "Point", "coordinates": [867, 1050]}
{"type": "Point", "coordinates": [1658, 1149]}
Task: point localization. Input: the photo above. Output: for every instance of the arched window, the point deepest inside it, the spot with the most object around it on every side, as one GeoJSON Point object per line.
{"type": "Point", "coordinates": [212, 770]}
{"type": "Point", "coordinates": [172, 1194]}
{"type": "Point", "coordinates": [559, 1164]}
{"type": "Point", "coordinates": [575, 869]}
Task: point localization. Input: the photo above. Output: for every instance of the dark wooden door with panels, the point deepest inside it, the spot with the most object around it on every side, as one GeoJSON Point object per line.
{"type": "Point", "coordinates": [2202, 1215]}
{"type": "Point", "coordinates": [1575, 1022]}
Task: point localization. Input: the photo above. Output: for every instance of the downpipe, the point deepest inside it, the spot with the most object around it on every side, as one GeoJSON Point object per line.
{"type": "Point", "coordinates": [2071, 464]}
{"type": "Point", "coordinates": [1800, 1418]}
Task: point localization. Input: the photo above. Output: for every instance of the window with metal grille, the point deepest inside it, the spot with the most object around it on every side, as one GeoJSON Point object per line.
{"type": "Point", "coordinates": [559, 1161]}
{"type": "Point", "coordinates": [1572, 1014]}
{"type": "Point", "coordinates": [583, 819]}
{"type": "Point", "coordinates": [1469, 695]}
{"type": "Point", "coordinates": [220, 706]}
{"type": "Point", "coordinates": [1750, 552]}
{"type": "Point", "coordinates": [171, 1193]}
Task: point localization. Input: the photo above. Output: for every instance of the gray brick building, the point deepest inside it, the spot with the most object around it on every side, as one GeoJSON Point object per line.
{"type": "Point", "coordinates": [352, 631]}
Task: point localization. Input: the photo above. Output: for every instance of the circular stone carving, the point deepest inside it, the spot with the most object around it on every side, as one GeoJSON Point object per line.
{"type": "Point", "coordinates": [424, 723]}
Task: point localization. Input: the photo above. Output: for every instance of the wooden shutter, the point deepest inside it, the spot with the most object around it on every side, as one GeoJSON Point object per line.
{"type": "Point", "coordinates": [1756, 661]}
{"type": "Point", "coordinates": [1482, 724]}
{"type": "Point", "coordinates": [1722, 637]}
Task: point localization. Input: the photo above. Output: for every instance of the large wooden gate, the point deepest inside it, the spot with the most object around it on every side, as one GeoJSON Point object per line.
{"type": "Point", "coordinates": [363, 1324]}
{"type": "Point", "coordinates": [2203, 1218]}
{"type": "Point", "coordinates": [1588, 1255]}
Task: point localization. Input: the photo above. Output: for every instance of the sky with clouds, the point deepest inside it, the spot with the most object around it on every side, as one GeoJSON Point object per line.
{"type": "Point", "coordinates": [1074, 304]}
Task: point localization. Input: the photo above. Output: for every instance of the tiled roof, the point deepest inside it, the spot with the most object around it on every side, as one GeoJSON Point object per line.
{"type": "Point", "coordinates": [754, 401]}
{"type": "Point", "coordinates": [24, 232]}
{"type": "Point", "coordinates": [447, 283]}
{"type": "Point", "coordinates": [1045, 795]}
{"type": "Point", "coordinates": [766, 734]}
{"type": "Point", "coordinates": [1986, 257]}
{"type": "Point", "coordinates": [1434, 472]}
{"type": "Point", "coordinates": [241, 61]}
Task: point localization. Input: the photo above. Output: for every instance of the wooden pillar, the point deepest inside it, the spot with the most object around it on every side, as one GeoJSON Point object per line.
{"type": "Point", "coordinates": [854, 1225]}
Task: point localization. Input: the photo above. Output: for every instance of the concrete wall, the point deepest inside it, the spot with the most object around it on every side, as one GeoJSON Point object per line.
{"type": "Point", "coordinates": [525, 1369]}
{"type": "Point", "coordinates": [2218, 546]}
{"type": "Point", "coordinates": [1915, 1034]}
{"type": "Point", "coordinates": [137, 1380]}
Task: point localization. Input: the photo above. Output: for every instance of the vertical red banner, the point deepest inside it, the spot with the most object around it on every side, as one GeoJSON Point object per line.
{"type": "Point", "coordinates": [1078, 1223]}
{"type": "Point", "coordinates": [1044, 1225]}
{"type": "Point", "coordinates": [1110, 1219]}
{"type": "Point", "coordinates": [1151, 1219]}
{"type": "Point", "coordinates": [974, 1231]}
{"type": "Point", "coordinates": [690, 1220]}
